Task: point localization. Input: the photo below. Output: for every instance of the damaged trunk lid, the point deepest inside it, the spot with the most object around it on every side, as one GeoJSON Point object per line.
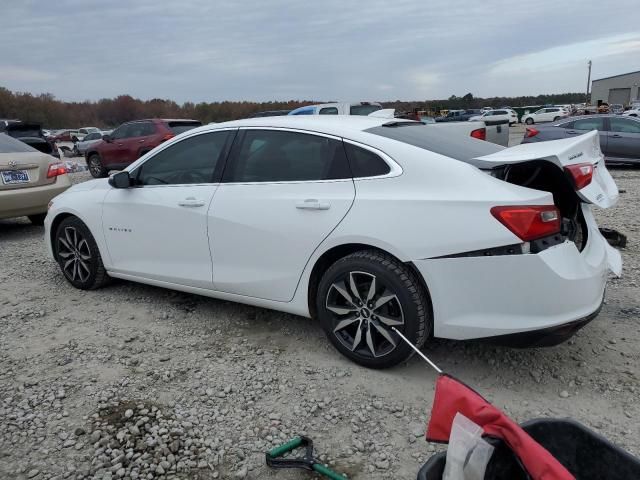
{"type": "Point", "coordinates": [578, 157]}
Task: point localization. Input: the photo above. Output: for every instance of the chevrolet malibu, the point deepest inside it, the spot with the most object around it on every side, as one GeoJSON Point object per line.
{"type": "Point", "coordinates": [364, 224]}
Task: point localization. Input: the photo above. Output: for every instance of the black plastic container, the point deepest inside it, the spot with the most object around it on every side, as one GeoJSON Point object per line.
{"type": "Point", "coordinates": [586, 454]}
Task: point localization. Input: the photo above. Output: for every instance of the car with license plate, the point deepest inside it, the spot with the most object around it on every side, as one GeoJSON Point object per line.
{"type": "Point", "coordinates": [371, 226]}
{"type": "Point", "coordinates": [619, 136]}
{"type": "Point", "coordinates": [29, 179]}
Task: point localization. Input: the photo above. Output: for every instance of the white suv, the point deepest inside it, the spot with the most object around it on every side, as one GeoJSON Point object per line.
{"type": "Point", "coordinates": [547, 114]}
{"type": "Point", "coordinates": [499, 114]}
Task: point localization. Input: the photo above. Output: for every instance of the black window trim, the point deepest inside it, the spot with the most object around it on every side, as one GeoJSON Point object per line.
{"type": "Point", "coordinates": [134, 168]}
{"type": "Point", "coordinates": [394, 169]}
{"type": "Point", "coordinates": [233, 155]}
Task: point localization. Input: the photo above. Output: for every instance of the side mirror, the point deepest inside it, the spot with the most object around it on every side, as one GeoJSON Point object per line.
{"type": "Point", "coordinates": [107, 138]}
{"type": "Point", "coordinates": [120, 180]}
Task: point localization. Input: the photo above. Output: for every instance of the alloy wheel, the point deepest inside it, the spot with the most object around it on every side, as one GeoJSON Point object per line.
{"type": "Point", "coordinates": [75, 255]}
{"type": "Point", "coordinates": [363, 310]}
{"type": "Point", "coordinates": [95, 167]}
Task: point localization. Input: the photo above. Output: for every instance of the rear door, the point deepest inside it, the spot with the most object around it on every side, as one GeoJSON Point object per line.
{"type": "Point", "coordinates": [139, 138]}
{"type": "Point", "coordinates": [282, 193]}
{"type": "Point", "coordinates": [623, 138]}
{"type": "Point", "coordinates": [584, 125]}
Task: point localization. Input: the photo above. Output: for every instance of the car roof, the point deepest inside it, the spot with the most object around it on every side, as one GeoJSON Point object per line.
{"type": "Point", "coordinates": [162, 120]}
{"type": "Point", "coordinates": [331, 125]}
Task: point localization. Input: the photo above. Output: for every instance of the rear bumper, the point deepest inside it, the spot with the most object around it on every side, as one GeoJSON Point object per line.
{"type": "Point", "coordinates": [552, 293]}
{"type": "Point", "coordinates": [30, 201]}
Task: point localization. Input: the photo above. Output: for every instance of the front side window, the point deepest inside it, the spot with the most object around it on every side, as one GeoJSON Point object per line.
{"type": "Point", "coordinates": [282, 156]}
{"type": "Point", "coordinates": [189, 161]}
{"type": "Point", "coordinates": [121, 132]}
{"type": "Point", "coordinates": [328, 111]}
{"type": "Point", "coordinates": [365, 163]}
{"type": "Point", "coordinates": [141, 129]}
{"type": "Point", "coordinates": [589, 124]}
{"type": "Point", "coordinates": [623, 125]}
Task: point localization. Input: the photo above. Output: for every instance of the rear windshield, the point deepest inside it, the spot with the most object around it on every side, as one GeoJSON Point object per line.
{"type": "Point", "coordinates": [436, 139]}
{"type": "Point", "coordinates": [179, 127]}
{"type": "Point", "coordinates": [11, 145]}
{"type": "Point", "coordinates": [364, 109]}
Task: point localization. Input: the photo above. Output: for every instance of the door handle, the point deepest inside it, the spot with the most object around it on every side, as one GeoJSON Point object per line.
{"type": "Point", "coordinates": [616, 136]}
{"type": "Point", "coordinates": [140, 141]}
{"type": "Point", "coordinates": [191, 202]}
{"type": "Point", "coordinates": [312, 204]}
{"type": "Point", "coordinates": [571, 132]}
{"type": "Point", "coordinates": [120, 144]}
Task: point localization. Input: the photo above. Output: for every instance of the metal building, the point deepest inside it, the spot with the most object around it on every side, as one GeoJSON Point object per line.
{"type": "Point", "coordinates": [622, 89]}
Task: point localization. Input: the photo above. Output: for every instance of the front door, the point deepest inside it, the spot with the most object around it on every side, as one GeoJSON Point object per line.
{"type": "Point", "coordinates": [584, 125]}
{"type": "Point", "coordinates": [624, 138]}
{"type": "Point", "coordinates": [282, 194]}
{"type": "Point", "coordinates": [157, 229]}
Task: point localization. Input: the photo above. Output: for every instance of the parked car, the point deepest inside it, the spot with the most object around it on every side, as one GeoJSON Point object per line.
{"type": "Point", "coordinates": [31, 134]}
{"type": "Point", "coordinates": [616, 108]}
{"type": "Point", "coordinates": [492, 115]}
{"type": "Point", "coordinates": [632, 112]}
{"type": "Point", "coordinates": [546, 114]}
{"type": "Point", "coordinates": [29, 179]}
{"type": "Point", "coordinates": [316, 216]}
{"type": "Point", "coordinates": [80, 147]}
{"type": "Point", "coordinates": [338, 108]}
{"type": "Point", "coordinates": [132, 140]}
{"type": "Point", "coordinates": [64, 135]}
{"type": "Point", "coordinates": [459, 115]}
{"type": "Point", "coordinates": [619, 136]}
{"type": "Point", "coordinates": [83, 132]}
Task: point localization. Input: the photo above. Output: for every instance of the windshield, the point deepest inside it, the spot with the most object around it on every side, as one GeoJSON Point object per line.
{"type": "Point", "coordinates": [11, 145]}
{"type": "Point", "coordinates": [364, 109]}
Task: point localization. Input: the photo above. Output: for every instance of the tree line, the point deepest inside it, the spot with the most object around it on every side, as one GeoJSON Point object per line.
{"type": "Point", "coordinates": [51, 113]}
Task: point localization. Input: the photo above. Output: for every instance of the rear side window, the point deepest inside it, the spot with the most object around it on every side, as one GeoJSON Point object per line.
{"type": "Point", "coordinates": [588, 124]}
{"type": "Point", "coordinates": [11, 145]}
{"type": "Point", "coordinates": [364, 109]}
{"type": "Point", "coordinates": [124, 131]}
{"type": "Point", "coordinates": [623, 125]}
{"type": "Point", "coordinates": [189, 161]}
{"type": "Point", "coordinates": [179, 127]}
{"type": "Point", "coordinates": [365, 163]}
{"type": "Point", "coordinates": [282, 156]}
{"type": "Point", "coordinates": [140, 129]}
{"type": "Point", "coordinates": [328, 111]}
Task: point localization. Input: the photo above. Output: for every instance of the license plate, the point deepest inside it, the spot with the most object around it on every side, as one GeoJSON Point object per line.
{"type": "Point", "coordinates": [10, 177]}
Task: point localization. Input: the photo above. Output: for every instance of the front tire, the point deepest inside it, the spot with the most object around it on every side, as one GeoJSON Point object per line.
{"type": "Point", "coordinates": [37, 219]}
{"type": "Point", "coordinates": [555, 119]}
{"type": "Point", "coordinates": [529, 121]}
{"type": "Point", "coordinates": [361, 296]}
{"type": "Point", "coordinates": [78, 255]}
{"type": "Point", "coordinates": [95, 166]}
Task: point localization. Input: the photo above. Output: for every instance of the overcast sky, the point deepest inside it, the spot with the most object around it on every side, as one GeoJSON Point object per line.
{"type": "Point", "coordinates": [208, 50]}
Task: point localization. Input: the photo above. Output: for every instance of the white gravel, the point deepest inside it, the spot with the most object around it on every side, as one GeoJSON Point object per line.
{"type": "Point", "coordinates": [133, 381]}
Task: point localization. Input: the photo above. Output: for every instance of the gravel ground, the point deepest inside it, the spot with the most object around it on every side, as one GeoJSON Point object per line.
{"type": "Point", "coordinates": [133, 381]}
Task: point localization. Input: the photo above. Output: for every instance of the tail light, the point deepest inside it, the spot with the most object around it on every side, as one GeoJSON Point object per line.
{"type": "Point", "coordinates": [479, 133]}
{"type": "Point", "coordinates": [529, 222]}
{"type": "Point", "coordinates": [580, 173]}
{"type": "Point", "coordinates": [530, 132]}
{"type": "Point", "coordinates": [167, 136]}
{"type": "Point", "coordinates": [56, 169]}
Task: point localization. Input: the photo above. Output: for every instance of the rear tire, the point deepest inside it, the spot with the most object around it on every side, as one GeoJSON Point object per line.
{"type": "Point", "coordinates": [37, 219]}
{"type": "Point", "coordinates": [77, 254]}
{"type": "Point", "coordinates": [555, 119]}
{"type": "Point", "coordinates": [95, 166]}
{"type": "Point", "coordinates": [361, 296]}
{"type": "Point", "coordinates": [529, 121]}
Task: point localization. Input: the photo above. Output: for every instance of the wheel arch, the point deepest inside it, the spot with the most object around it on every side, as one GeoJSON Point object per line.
{"type": "Point", "coordinates": [57, 220]}
{"type": "Point", "coordinates": [333, 254]}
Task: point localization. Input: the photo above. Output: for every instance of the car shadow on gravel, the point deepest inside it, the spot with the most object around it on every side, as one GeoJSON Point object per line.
{"type": "Point", "coordinates": [15, 228]}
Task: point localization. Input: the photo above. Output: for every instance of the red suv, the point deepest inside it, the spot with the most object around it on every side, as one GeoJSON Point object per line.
{"type": "Point", "coordinates": [130, 141]}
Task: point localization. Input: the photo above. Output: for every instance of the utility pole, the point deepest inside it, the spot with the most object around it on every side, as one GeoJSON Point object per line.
{"type": "Point", "coordinates": [588, 82]}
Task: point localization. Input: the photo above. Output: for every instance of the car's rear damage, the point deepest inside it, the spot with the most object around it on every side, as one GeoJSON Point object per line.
{"type": "Point", "coordinates": [545, 287]}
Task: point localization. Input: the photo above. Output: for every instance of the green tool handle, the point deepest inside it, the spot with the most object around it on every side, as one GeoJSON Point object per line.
{"type": "Point", "coordinates": [287, 447]}
{"type": "Point", "coordinates": [327, 472]}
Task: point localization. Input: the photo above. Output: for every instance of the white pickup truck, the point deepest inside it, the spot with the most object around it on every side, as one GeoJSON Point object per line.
{"type": "Point", "coordinates": [491, 131]}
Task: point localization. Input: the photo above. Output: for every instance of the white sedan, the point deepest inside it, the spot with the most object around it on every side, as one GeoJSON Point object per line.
{"type": "Point", "coordinates": [633, 112]}
{"type": "Point", "coordinates": [497, 115]}
{"type": "Point", "coordinates": [365, 224]}
{"type": "Point", "coordinates": [547, 114]}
